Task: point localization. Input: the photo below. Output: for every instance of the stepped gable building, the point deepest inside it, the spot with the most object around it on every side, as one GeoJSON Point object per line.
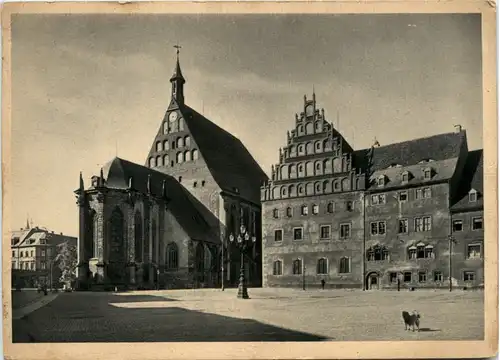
{"type": "Point", "coordinates": [371, 218]}
{"type": "Point", "coordinates": [163, 224]}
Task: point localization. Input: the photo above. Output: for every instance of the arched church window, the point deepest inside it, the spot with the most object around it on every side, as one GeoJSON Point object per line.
{"type": "Point", "coordinates": [117, 250]}
{"type": "Point", "coordinates": [187, 155]}
{"type": "Point", "coordinates": [172, 256]}
{"type": "Point", "coordinates": [309, 148]}
{"type": "Point", "coordinates": [194, 154]}
{"type": "Point", "coordinates": [284, 191]}
{"type": "Point", "coordinates": [138, 234]}
{"type": "Point", "coordinates": [179, 157]}
{"type": "Point", "coordinates": [158, 146]}
{"type": "Point", "coordinates": [300, 190]}
{"type": "Point", "coordinates": [173, 125]}
{"type": "Point", "coordinates": [317, 146]}
{"type": "Point", "coordinates": [173, 144]}
{"type": "Point", "coordinates": [181, 124]}
{"type": "Point", "coordinates": [309, 128]}
{"type": "Point", "coordinates": [300, 149]}
{"type": "Point", "coordinates": [153, 242]}
{"type": "Point", "coordinates": [152, 162]}
{"type": "Point", "coordinates": [187, 141]}
{"type": "Point", "coordinates": [166, 145]}
{"type": "Point", "coordinates": [166, 160]}
{"type": "Point", "coordinates": [158, 161]}
{"type": "Point", "coordinates": [180, 142]}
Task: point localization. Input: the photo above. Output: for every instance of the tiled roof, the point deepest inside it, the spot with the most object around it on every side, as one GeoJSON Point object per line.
{"type": "Point", "coordinates": [228, 160]}
{"type": "Point", "coordinates": [181, 203]}
{"type": "Point", "coordinates": [392, 160]}
{"type": "Point", "coordinates": [472, 178]}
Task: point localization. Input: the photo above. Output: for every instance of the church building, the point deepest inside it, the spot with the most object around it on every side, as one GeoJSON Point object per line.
{"type": "Point", "coordinates": [167, 223]}
{"type": "Point", "coordinates": [408, 214]}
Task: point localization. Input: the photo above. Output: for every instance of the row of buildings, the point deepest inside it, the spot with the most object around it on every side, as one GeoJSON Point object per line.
{"type": "Point", "coordinates": [34, 251]}
{"type": "Point", "coordinates": [407, 213]}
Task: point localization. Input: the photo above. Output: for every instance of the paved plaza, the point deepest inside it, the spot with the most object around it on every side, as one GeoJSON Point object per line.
{"type": "Point", "coordinates": [270, 315]}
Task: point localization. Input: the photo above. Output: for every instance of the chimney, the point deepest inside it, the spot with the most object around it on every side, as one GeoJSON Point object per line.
{"type": "Point", "coordinates": [458, 128]}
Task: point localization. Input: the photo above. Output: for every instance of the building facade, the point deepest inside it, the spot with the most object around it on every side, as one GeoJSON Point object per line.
{"type": "Point", "coordinates": [374, 218]}
{"type": "Point", "coordinates": [33, 252]}
{"type": "Point", "coordinates": [167, 223]}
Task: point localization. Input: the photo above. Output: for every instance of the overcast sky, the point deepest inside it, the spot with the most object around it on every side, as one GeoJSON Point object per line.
{"type": "Point", "coordinates": [86, 85]}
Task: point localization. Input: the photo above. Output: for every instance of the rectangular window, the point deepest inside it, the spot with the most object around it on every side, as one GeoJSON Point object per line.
{"type": "Point", "coordinates": [297, 267]}
{"type": "Point", "coordinates": [419, 194]}
{"type": "Point", "coordinates": [393, 277]}
{"type": "Point", "coordinates": [427, 193]}
{"type": "Point", "coordinates": [325, 231]}
{"type": "Point", "coordinates": [403, 196]}
{"type": "Point", "coordinates": [419, 225]}
{"type": "Point", "coordinates": [457, 225]}
{"type": "Point", "coordinates": [348, 205]}
{"type": "Point", "coordinates": [469, 275]}
{"type": "Point", "coordinates": [427, 174]}
{"type": "Point", "coordinates": [43, 253]}
{"type": "Point", "coordinates": [345, 231]}
{"type": "Point", "coordinates": [315, 209]}
{"type": "Point", "coordinates": [477, 223]}
{"type": "Point", "coordinates": [438, 276]}
{"type": "Point", "coordinates": [289, 212]}
{"type": "Point", "coordinates": [422, 277]}
{"type": "Point", "coordinates": [42, 264]}
{"type": "Point", "coordinates": [407, 276]}
{"type": "Point", "coordinates": [427, 223]}
{"type": "Point", "coordinates": [474, 251]}
{"type": "Point", "coordinates": [297, 234]}
{"type": "Point", "coordinates": [378, 228]}
{"type": "Point", "coordinates": [304, 210]}
{"type": "Point", "coordinates": [378, 199]}
{"type": "Point", "coordinates": [278, 235]}
{"type": "Point", "coordinates": [403, 226]}
{"type": "Point", "coordinates": [472, 196]}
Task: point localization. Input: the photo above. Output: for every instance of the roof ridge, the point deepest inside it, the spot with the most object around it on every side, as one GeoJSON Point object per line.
{"type": "Point", "coordinates": [462, 132]}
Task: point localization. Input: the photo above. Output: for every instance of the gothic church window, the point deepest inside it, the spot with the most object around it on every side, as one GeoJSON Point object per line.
{"type": "Point", "coordinates": [158, 161]}
{"type": "Point", "coordinates": [153, 242]}
{"type": "Point", "coordinates": [179, 157]}
{"type": "Point", "coordinates": [180, 142]}
{"type": "Point", "coordinates": [187, 141]}
{"type": "Point", "coordinates": [194, 154]}
{"type": "Point", "coordinates": [95, 235]}
{"type": "Point", "coordinates": [152, 162]}
{"type": "Point", "coordinates": [172, 257]}
{"type": "Point", "coordinates": [138, 234]}
{"type": "Point", "coordinates": [158, 146]}
{"type": "Point", "coordinates": [187, 155]}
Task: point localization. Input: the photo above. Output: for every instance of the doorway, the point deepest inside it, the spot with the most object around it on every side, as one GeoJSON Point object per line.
{"type": "Point", "coordinates": [372, 281]}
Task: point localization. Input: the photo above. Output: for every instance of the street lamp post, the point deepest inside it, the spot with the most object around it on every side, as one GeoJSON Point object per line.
{"type": "Point", "coordinates": [304, 277]}
{"type": "Point", "coordinates": [244, 242]}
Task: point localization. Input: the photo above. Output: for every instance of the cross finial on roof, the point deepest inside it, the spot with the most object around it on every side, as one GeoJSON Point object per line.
{"type": "Point", "coordinates": [177, 47]}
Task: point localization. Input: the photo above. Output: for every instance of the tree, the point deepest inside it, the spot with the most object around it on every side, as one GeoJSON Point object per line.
{"type": "Point", "coordinates": [66, 260]}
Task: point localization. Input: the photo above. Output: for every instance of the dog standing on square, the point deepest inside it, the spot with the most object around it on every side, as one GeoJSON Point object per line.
{"type": "Point", "coordinates": [411, 320]}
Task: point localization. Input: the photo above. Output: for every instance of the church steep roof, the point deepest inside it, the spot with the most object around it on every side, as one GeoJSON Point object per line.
{"type": "Point", "coordinates": [181, 203]}
{"type": "Point", "coordinates": [472, 179]}
{"type": "Point", "coordinates": [230, 163]}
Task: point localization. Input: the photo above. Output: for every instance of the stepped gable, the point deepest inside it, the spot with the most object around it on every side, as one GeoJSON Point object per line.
{"type": "Point", "coordinates": [228, 160]}
{"type": "Point", "coordinates": [472, 178]}
{"type": "Point", "coordinates": [180, 202]}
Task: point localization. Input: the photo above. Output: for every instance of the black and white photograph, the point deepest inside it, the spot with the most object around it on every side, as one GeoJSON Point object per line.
{"type": "Point", "coordinates": [247, 177]}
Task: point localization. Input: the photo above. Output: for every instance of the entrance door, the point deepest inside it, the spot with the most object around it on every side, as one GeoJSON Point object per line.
{"type": "Point", "coordinates": [372, 281]}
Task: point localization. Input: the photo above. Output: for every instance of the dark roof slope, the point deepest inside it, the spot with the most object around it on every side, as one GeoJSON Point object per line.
{"type": "Point", "coordinates": [228, 160]}
{"type": "Point", "coordinates": [437, 147]}
{"type": "Point", "coordinates": [181, 203]}
{"type": "Point", "coordinates": [472, 178]}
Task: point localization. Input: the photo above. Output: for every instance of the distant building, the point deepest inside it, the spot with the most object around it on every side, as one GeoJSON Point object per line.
{"type": "Point", "coordinates": [372, 218]}
{"type": "Point", "coordinates": [33, 252]}
{"type": "Point", "coordinates": [163, 224]}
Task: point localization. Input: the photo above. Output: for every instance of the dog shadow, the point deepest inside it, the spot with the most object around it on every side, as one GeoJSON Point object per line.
{"type": "Point", "coordinates": [428, 330]}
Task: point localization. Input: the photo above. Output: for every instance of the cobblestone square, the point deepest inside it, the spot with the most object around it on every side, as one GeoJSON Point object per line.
{"type": "Point", "coordinates": [270, 315]}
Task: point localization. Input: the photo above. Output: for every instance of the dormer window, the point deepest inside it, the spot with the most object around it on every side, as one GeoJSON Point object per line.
{"type": "Point", "coordinates": [427, 173]}
{"type": "Point", "coordinates": [472, 195]}
{"type": "Point", "coordinates": [425, 161]}
{"type": "Point", "coordinates": [381, 180]}
{"type": "Point", "coordinates": [394, 165]}
{"type": "Point", "coordinates": [405, 177]}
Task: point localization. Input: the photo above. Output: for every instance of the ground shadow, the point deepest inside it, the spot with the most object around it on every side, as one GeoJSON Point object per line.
{"type": "Point", "coordinates": [428, 330]}
{"type": "Point", "coordinates": [102, 319]}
